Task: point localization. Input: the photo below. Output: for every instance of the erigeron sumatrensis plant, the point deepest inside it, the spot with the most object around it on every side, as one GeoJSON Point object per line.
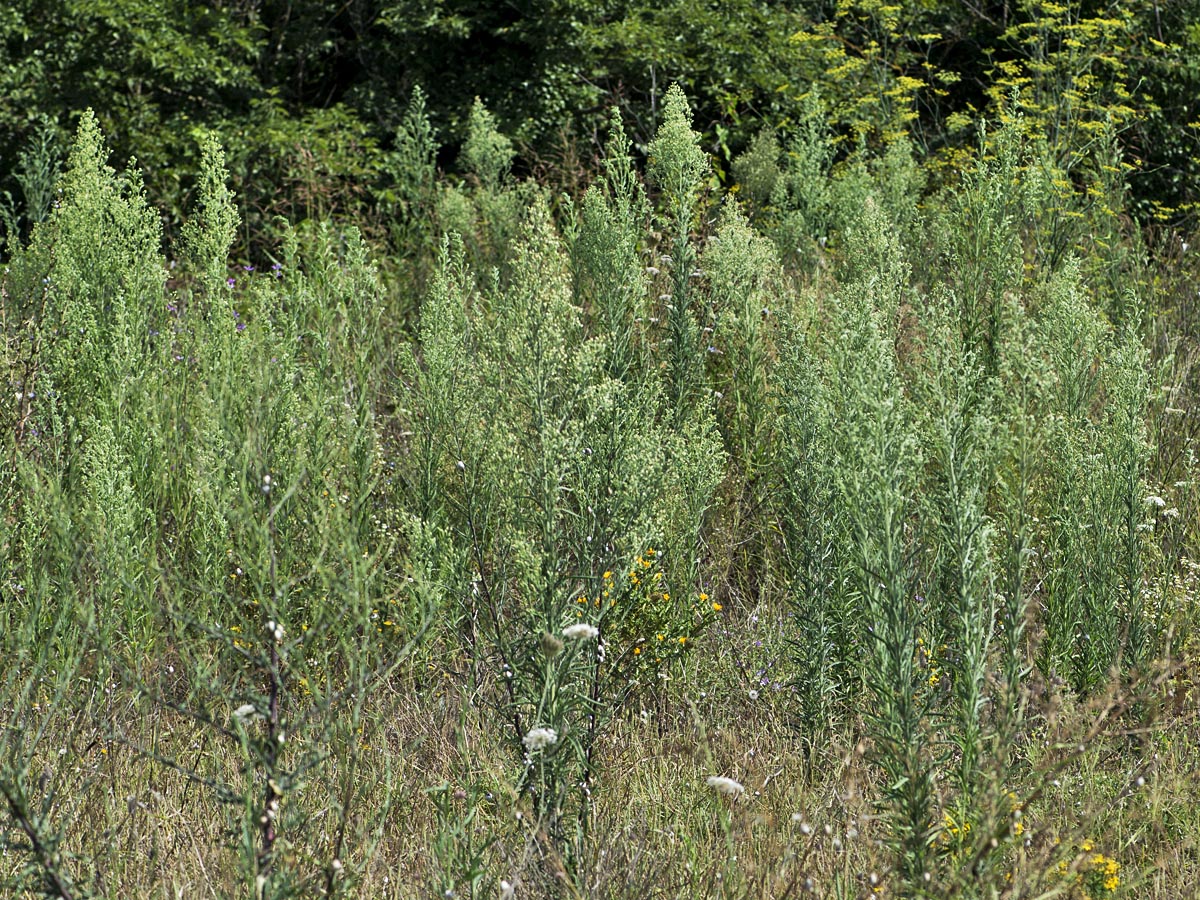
{"type": "Point", "coordinates": [548, 452]}
{"type": "Point", "coordinates": [948, 473]}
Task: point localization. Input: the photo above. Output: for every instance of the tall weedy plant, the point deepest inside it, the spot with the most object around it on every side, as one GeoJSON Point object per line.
{"type": "Point", "coordinates": [87, 287]}
{"type": "Point", "coordinates": [745, 293]}
{"type": "Point", "coordinates": [1098, 510]}
{"type": "Point", "coordinates": [803, 206]}
{"type": "Point", "coordinates": [487, 209]}
{"type": "Point", "coordinates": [986, 253]}
{"type": "Point", "coordinates": [813, 522]}
{"type": "Point", "coordinates": [1020, 448]}
{"type": "Point", "coordinates": [1126, 454]}
{"type": "Point", "coordinates": [609, 279]}
{"type": "Point", "coordinates": [412, 166]}
{"type": "Point", "coordinates": [558, 470]}
{"type": "Point", "coordinates": [679, 168]}
{"type": "Point", "coordinates": [959, 433]}
{"type": "Point", "coordinates": [878, 463]}
{"type": "Point", "coordinates": [283, 611]}
{"type": "Point", "coordinates": [745, 286]}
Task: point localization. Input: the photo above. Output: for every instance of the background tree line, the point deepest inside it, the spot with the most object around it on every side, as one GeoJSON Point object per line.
{"type": "Point", "coordinates": [306, 95]}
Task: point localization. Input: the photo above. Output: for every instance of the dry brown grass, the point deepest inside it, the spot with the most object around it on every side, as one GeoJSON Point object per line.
{"type": "Point", "coordinates": [1119, 771]}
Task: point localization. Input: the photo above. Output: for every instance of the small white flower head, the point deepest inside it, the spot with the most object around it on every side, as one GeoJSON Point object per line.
{"type": "Point", "coordinates": [539, 739]}
{"type": "Point", "coordinates": [507, 891]}
{"type": "Point", "coordinates": [580, 631]}
{"type": "Point", "coordinates": [726, 786]}
{"type": "Point", "coordinates": [1156, 501]}
{"type": "Point", "coordinates": [246, 713]}
{"type": "Point", "coordinates": [753, 694]}
{"type": "Point", "coordinates": [266, 484]}
{"type": "Point", "coordinates": [275, 630]}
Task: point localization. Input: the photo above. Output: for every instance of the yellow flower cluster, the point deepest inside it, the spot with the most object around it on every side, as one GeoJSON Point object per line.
{"type": "Point", "coordinates": [951, 828]}
{"type": "Point", "coordinates": [1096, 877]}
{"type": "Point", "coordinates": [927, 659]}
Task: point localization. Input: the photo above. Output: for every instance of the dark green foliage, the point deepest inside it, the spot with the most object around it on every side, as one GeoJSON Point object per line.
{"type": "Point", "coordinates": [307, 96]}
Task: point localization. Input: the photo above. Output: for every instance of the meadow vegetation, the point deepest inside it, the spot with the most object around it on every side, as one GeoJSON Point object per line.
{"type": "Point", "coordinates": [830, 530]}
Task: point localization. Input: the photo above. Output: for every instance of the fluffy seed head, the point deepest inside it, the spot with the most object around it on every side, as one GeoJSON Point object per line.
{"type": "Point", "coordinates": [723, 785]}
{"type": "Point", "coordinates": [580, 631]}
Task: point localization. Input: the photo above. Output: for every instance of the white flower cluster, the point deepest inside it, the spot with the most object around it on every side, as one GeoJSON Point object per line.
{"type": "Point", "coordinates": [539, 739]}
{"type": "Point", "coordinates": [247, 713]}
{"type": "Point", "coordinates": [581, 631]}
